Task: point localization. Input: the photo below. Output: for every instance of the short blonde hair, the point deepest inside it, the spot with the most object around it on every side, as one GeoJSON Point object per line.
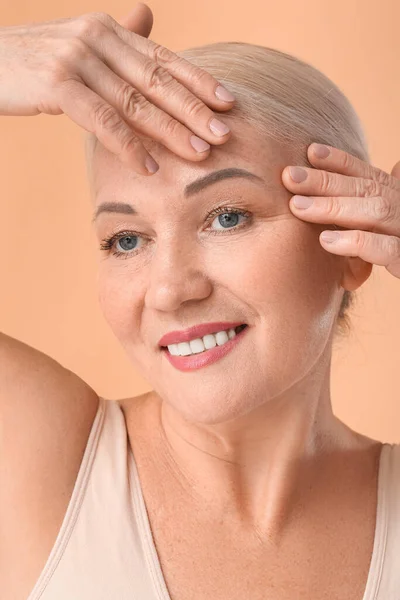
{"type": "Point", "coordinates": [286, 100]}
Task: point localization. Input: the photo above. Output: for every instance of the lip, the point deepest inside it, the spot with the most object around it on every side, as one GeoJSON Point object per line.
{"type": "Point", "coordinates": [203, 359]}
{"type": "Point", "coordinates": [198, 331]}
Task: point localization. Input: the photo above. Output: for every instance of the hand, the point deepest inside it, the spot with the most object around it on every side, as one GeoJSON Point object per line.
{"type": "Point", "coordinates": [351, 193]}
{"type": "Point", "coordinates": [112, 82]}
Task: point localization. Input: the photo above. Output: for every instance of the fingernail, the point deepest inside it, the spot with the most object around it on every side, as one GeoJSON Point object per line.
{"type": "Point", "coordinates": [320, 150]}
{"type": "Point", "coordinates": [330, 236]}
{"type": "Point", "coordinates": [219, 128]}
{"type": "Point", "coordinates": [302, 201]}
{"type": "Point", "coordinates": [198, 144]}
{"type": "Point", "coordinates": [298, 174]}
{"type": "Point", "coordinates": [223, 94]}
{"type": "Point", "coordinates": [151, 165]}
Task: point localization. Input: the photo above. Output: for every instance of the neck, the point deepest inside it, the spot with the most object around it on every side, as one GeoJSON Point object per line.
{"type": "Point", "coordinates": [257, 468]}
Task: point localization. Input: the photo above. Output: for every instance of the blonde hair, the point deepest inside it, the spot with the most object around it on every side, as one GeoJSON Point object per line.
{"type": "Point", "coordinates": [286, 100]}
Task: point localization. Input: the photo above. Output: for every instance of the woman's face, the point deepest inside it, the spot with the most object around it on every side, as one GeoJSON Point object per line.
{"type": "Point", "coordinates": [185, 260]}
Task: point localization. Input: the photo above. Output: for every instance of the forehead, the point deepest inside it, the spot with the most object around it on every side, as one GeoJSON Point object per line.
{"type": "Point", "coordinates": [246, 148]}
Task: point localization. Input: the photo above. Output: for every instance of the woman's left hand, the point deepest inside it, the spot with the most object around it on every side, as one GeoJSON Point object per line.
{"type": "Point", "coordinates": [348, 192]}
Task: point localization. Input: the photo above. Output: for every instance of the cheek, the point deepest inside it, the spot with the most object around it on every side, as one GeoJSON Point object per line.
{"type": "Point", "coordinates": [119, 296]}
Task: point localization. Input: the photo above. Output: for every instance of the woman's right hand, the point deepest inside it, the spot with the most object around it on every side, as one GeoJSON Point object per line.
{"type": "Point", "coordinates": [111, 81]}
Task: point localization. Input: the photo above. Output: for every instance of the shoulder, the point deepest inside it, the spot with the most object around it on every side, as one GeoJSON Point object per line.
{"type": "Point", "coordinates": [46, 412]}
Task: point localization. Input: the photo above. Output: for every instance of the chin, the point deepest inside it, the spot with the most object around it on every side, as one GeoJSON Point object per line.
{"type": "Point", "coordinates": [210, 404]}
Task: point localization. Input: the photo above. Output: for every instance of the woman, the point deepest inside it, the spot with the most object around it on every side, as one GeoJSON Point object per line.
{"type": "Point", "coordinates": [232, 478]}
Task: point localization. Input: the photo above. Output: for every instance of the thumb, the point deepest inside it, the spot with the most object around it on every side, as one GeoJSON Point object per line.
{"type": "Point", "coordinates": [139, 20]}
{"type": "Point", "coordinates": [396, 170]}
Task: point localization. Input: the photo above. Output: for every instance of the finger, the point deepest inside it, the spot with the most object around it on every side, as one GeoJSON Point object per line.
{"type": "Point", "coordinates": [144, 117]}
{"type": "Point", "coordinates": [200, 82]}
{"type": "Point", "coordinates": [377, 249]}
{"type": "Point", "coordinates": [156, 84]}
{"type": "Point", "coordinates": [139, 20]}
{"type": "Point", "coordinates": [379, 215]}
{"type": "Point", "coordinates": [323, 183]}
{"type": "Point", "coordinates": [90, 111]}
{"type": "Point", "coordinates": [339, 161]}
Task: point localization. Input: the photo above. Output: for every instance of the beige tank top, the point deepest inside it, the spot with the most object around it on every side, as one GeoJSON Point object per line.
{"type": "Point", "coordinates": [105, 549]}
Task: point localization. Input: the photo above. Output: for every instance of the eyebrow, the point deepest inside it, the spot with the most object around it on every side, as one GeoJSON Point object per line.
{"type": "Point", "coordinates": [190, 190]}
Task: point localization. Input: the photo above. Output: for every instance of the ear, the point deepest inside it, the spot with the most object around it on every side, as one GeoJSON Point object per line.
{"type": "Point", "coordinates": [396, 170]}
{"type": "Point", "coordinates": [355, 272]}
{"type": "Point", "coordinates": [139, 20]}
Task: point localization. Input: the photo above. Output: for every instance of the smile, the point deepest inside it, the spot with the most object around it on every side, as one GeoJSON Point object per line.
{"type": "Point", "coordinates": [201, 352]}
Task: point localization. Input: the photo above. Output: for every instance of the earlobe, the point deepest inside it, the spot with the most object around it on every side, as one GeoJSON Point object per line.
{"type": "Point", "coordinates": [356, 272]}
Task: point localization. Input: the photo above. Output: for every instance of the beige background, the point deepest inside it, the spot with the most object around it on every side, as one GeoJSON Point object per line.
{"type": "Point", "coordinates": [48, 252]}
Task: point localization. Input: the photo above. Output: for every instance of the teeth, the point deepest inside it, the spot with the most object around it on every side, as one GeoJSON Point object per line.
{"type": "Point", "coordinates": [196, 346]}
{"type": "Point", "coordinates": [184, 349]}
{"type": "Point", "coordinates": [173, 349]}
{"type": "Point", "coordinates": [221, 337]}
{"type": "Point", "coordinates": [209, 341]}
{"type": "Point", "coordinates": [202, 344]}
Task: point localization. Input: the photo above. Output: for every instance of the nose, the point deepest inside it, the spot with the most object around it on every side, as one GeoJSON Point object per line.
{"type": "Point", "coordinates": [176, 276]}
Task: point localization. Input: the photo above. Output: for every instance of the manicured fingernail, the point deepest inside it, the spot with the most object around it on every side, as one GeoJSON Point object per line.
{"type": "Point", "coordinates": [151, 165]}
{"type": "Point", "coordinates": [219, 128]}
{"type": "Point", "coordinates": [198, 144]}
{"type": "Point", "coordinates": [223, 94]}
{"type": "Point", "coordinates": [298, 174]}
{"type": "Point", "coordinates": [320, 150]}
{"type": "Point", "coordinates": [302, 201]}
{"type": "Point", "coordinates": [330, 236]}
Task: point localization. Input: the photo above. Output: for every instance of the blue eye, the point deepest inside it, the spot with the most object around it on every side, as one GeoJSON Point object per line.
{"type": "Point", "coordinates": [228, 219]}
{"type": "Point", "coordinates": [131, 243]}
{"type": "Point", "coordinates": [127, 240]}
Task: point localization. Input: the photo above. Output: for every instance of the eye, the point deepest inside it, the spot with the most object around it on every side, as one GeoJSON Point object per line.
{"type": "Point", "coordinates": [123, 244]}
{"type": "Point", "coordinates": [127, 243]}
{"type": "Point", "coordinates": [229, 219]}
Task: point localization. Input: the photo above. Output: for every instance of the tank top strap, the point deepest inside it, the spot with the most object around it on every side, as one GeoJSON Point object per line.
{"type": "Point", "coordinates": [74, 505]}
{"type": "Point", "coordinates": [98, 553]}
{"type": "Point", "coordinates": [389, 585]}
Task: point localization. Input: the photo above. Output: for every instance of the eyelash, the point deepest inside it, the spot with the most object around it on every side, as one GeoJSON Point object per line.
{"type": "Point", "coordinates": [108, 243]}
